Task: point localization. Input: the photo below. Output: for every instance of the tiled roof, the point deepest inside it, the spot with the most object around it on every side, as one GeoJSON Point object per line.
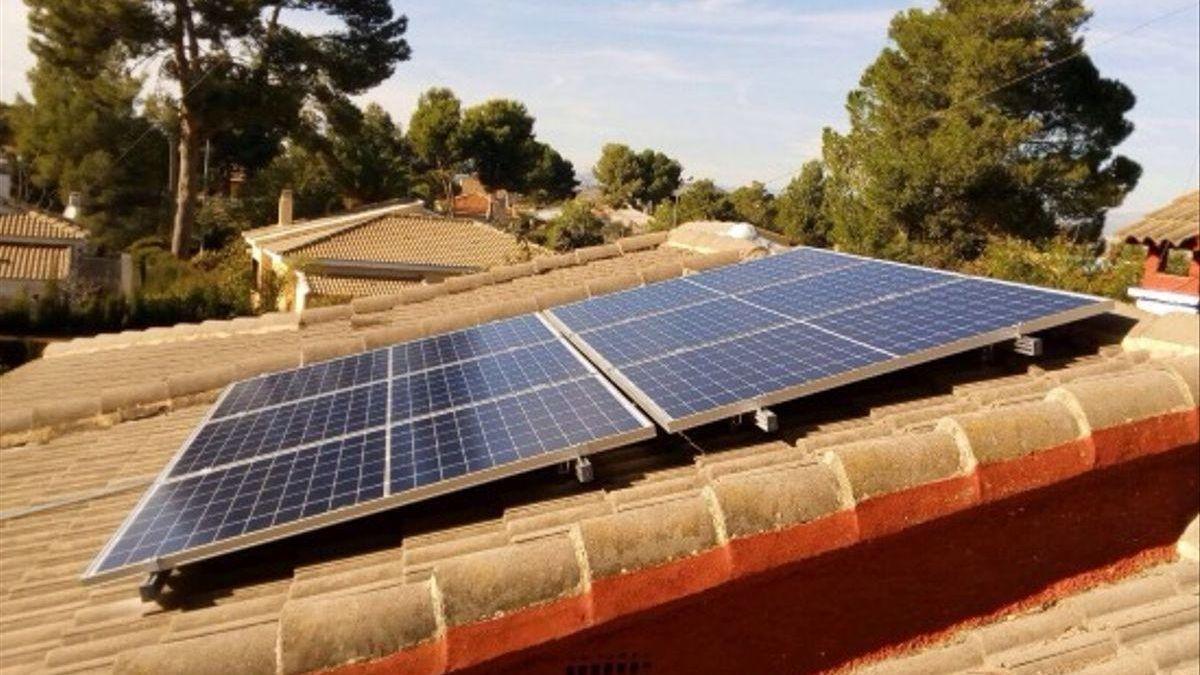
{"type": "Point", "coordinates": [1147, 623]}
{"type": "Point", "coordinates": [24, 222]}
{"type": "Point", "coordinates": [1176, 223]}
{"type": "Point", "coordinates": [415, 240]}
{"type": "Point", "coordinates": [34, 262]}
{"type": "Point", "coordinates": [282, 239]}
{"type": "Point", "coordinates": [456, 581]}
{"type": "Point", "coordinates": [356, 287]}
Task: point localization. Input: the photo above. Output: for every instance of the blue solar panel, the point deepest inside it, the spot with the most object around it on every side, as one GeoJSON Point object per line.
{"type": "Point", "coordinates": [262, 432]}
{"type": "Point", "coordinates": [281, 450]}
{"type": "Point", "coordinates": [624, 306]}
{"type": "Point", "coordinates": [468, 344]}
{"type": "Point", "coordinates": [246, 498]}
{"type": "Point", "coordinates": [467, 382]}
{"type": "Point", "coordinates": [794, 323]}
{"type": "Point", "coordinates": [942, 315]}
{"type": "Point", "coordinates": [291, 385]}
{"type": "Point", "coordinates": [656, 335]}
{"type": "Point", "coordinates": [725, 373]}
{"type": "Point", "coordinates": [509, 430]}
{"type": "Point", "coordinates": [847, 287]}
{"type": "Point", "coordinates": [772, 270]}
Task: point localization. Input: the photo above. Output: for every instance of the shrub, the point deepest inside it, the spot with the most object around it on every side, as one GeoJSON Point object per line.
{"type": "Point", "coordinates": [1060, 263]}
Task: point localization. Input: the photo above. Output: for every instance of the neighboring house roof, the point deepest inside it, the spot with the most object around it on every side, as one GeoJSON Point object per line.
{"type": "Point", "coordinates": [282, 239]}
{"type": "Point", "coordinates": [450, 243]}
{"type": "Point", "coordinates": [356, 287]}
{"type": "Point", "coordinates": [18, 221]}
{"type": "Point", "coordinates": [1177, 223]}
{"type": "Point", "coordinates": [33, 262]}
{"type": "Point", "coordinates": [467, 578]}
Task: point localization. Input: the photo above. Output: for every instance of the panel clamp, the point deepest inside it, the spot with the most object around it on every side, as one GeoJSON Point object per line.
{"type": "Point", "coordinates": [151, 587]}
{"type": "Point", "coordinates": [766, 420]}
{"type": "Point", "coordinates": [583, 470]}
{"type": "Point", "coordinates": [1027, 345]}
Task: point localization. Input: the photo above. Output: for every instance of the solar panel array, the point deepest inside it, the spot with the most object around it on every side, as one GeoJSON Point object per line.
{"type": "Point", "coordinates": [737, 338]}
{"type": "Point", "coordinates": [290, 451]}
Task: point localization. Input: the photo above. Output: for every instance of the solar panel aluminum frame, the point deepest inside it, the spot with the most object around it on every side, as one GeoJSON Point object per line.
{"type": "Point", "coordinates": [91, 575]}
{"type": "Point", "coordinates": [750, 405]}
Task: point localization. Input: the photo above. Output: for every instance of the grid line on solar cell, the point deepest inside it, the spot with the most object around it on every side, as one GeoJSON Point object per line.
{"type": "Point", "coordinates": [772, 270]}
{"type": "Point", "coordinates": [630, 305]}
{"type": "Point", "coordinates": [488, 377]}
{"type": "Point", "coordinates": [234, 439]}
{"type": "Point", "coordinates": [946, 314]}
{"type": "Point", "coordinates": [720, 374]}
{"type": "Point", "coordinates": [841, 289]}
{"type": "Point", "coordinates": [470, 343]}
{"type": "Point", "coordinates": [252, 497]}
{"type": "Point", "coordinates": [485, 436]}
{"type": "Point", "coordinates": [679, 329]}
{"type": "Point", "coordinates": [306, 382]}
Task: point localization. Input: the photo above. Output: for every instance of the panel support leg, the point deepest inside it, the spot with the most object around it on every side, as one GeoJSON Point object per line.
{"type": "Point", "coordinates": [153, 584]}
{"type": "Point", "coordinates": [766, 420]}
{"type": "Point", "coordinates": [583, 470]}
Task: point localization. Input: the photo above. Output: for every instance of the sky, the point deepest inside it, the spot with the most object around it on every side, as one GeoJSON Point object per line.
{"type": "Point", "coordinates": [737, 90]}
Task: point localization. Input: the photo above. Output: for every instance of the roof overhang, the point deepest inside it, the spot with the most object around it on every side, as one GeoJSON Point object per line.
{"type": "Point", "coordinates": [375, 269]}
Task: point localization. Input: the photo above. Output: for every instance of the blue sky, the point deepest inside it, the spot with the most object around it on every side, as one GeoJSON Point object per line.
{"type": "Point", "coordinates": [736, 89]}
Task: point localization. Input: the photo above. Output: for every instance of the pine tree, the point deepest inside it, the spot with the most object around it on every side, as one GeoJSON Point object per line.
{"type": "Point", "coordinates": [982, 117]}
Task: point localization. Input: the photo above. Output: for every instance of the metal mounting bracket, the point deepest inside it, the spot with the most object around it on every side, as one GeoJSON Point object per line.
{"type": "Point", "coordinates": [766, 420]}
{"type": "Point", "coordinates": [583, 470]}
{"type": "Point", "coordinates": [1027, 345]}
{"type": "Point", "coordinates": [152, 586]}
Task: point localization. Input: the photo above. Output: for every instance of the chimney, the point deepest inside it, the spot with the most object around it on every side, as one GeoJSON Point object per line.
{"type": "Point", "coordinates": [74, 206]}
{"type": "Point", "coordinates": [285, 207]}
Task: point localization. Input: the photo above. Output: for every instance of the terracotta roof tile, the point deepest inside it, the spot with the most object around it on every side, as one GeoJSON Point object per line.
{"type": "Point", "coordinates": [356, 287]}
{"type": "Point", "coordinates": [1176, 223]}
{"type": "Point", "coordinates": [420, 241]}
{"type": "Point", "coordinates": [28, 223]}
{"type": "Point", "coordinates": [501, 561]}
{"type": "Point", "coordinates": [33, 262]}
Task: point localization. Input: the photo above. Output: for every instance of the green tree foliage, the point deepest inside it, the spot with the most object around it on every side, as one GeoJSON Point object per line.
{"type": "Point", "coordinates": [701, 200]}
{"type": "Point", "coordinates": [801, 207]}
{"type": "Point", "coordinates": [1061, 263]}
{"type": "Point", "coordinates": [551, 177]}
{"type": "Point", "coordinates": [433, 133]}
{"type": "Point", "coordinates": [79, 133]}
{"type": "Point", "coordinates": [231, 62]}
{"type": "Point", "coordinates": [497, 136]}
{"type": "Point", "coordinates": [367, 157]}
{"type": "Point", "coordinates": [641, 179]}
{"type": "Point", "coordinates": [576, 226]}
{"type": "Point", "coordinates": [982, 117]}
{"type": "Point", "coordinates": [753, 204]}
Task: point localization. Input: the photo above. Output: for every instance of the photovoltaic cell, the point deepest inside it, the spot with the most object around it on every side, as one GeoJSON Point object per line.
{"type": "Point", "coordinates": [772, 270]}
{"type": "Point", "coordinates": [466, 344]}
{"type": "Point", "coordinates": [289, 425]}
{"type": "Point", "coordinates": [847, 287]}
{"type": "Point", "coordinates": [791, 355]}
{"type": "Point", "coordinates": [945, 314]}
{"type": "Point", "coordinates": [607, 310]}
{"type": "Point", "coordinates": [486, 436]}
{"type": "Point", "coordinates": [656, 335]}
{"type": "Point", "coordinates": [795, 323]}
{"type": "Point", "coordinates": [307, 447]}
{"type": "Point", "coordinates": [291, 385]}
{"type": "Point", "coordinates": [248, 498]}
{"type": "Point", "coordinates": [468, 382]}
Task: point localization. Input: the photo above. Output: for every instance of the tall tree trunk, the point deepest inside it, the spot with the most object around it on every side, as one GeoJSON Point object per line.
{"type": "Point", "coordinates": [448, 186]}
{"type": "Point", "coordinates": [185, 189]}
